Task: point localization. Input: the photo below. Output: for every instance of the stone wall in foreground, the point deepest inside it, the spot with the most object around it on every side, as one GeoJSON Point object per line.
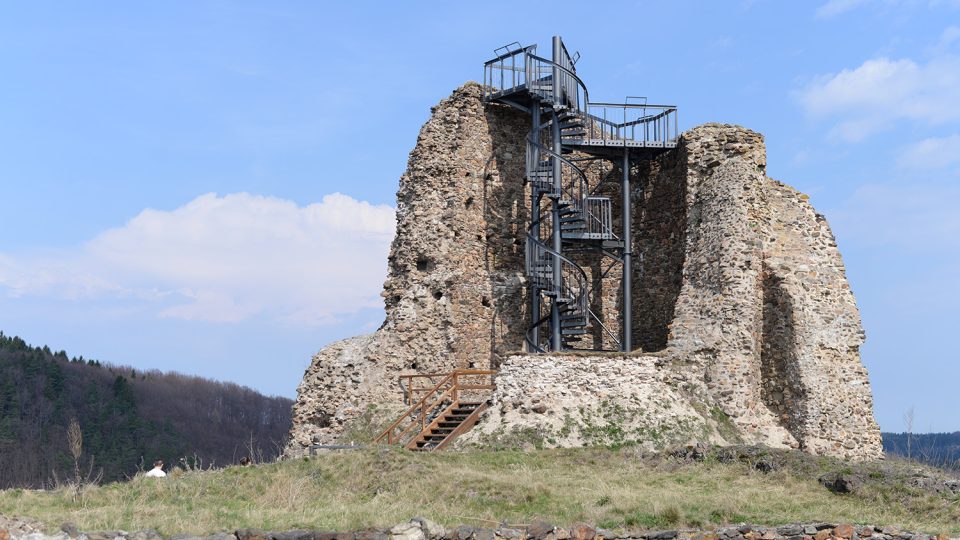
{"type": "Point", "coordinates": [424, 529]}
{"type": "Point", "coordinates": [747, 328]}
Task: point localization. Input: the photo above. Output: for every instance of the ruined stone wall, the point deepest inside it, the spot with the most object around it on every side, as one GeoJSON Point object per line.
{"type": "Point", "coordinates": [763, 310]}
{"type": "Point", "coordinates": [739, 291]}
{"type": "Point", "coordinates": [660, 226]}
{"type": "Point", "coordinates": [454, 293]}
{"type": "Point", "coordinates": [565, 400]}
{"type": "Point", "coordinates": [814, 382]}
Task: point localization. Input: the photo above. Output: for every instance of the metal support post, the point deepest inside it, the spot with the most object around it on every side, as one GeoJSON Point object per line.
{"type": "Point", "coordinates": [535, 224]}
{"type": "Point", "coordinates": [555, 342]}
{"type": "Point", "coordinates": [627, 344]}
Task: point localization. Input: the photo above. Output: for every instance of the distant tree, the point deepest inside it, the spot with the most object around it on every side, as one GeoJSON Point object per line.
{"type": "Point", "coordinates": [120, 418]}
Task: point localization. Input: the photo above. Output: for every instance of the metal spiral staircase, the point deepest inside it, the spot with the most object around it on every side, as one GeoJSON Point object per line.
{"type": "Point", "coordinates": [568, 215]}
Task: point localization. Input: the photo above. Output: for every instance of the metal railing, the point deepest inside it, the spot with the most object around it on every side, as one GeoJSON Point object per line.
{"type": "Point", "coordinates": [599, 217]}
{"type": "Point", "coordinates": [507, 71]}
{"type": "Point", "coordinates": [650, 124]}
{"type": "Point", "coordinates": [559, 84]}
{"type": "Point", "coordinates": [574, 186]}
{"type": "Point", "coordinates": [518, 69]}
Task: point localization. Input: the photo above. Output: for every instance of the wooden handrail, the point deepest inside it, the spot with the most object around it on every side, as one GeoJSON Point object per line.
{"type": "Point", "coordinates": [452, 392]}
{"type": "Point", "coordinates": [411, 393]}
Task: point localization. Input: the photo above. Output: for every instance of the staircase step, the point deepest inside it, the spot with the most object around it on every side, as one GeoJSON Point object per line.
{"type": "Point", "coordinates": [573, 331]}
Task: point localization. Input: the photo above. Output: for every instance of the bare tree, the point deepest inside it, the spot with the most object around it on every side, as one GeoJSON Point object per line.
{"type": "Point", "coordinates": [75, 442]}
{"type": "Point", "coordinates": [908, 423]}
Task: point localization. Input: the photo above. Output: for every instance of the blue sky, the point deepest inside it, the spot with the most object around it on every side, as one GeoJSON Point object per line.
{"type": "Point", "coordinates": [207, 186]}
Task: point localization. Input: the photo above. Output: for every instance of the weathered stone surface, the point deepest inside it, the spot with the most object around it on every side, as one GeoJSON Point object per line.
{"type": "Point", "coordinates": [251, 534]}
{"type": "Point", "coordinates": [431, 530]}
{"type": "Point", "coordinates": [539, 530]}
{"type": "Point", "coordinates": [844, 530]}
{"type": "Point", "coordinates": [151, 534]}
{"type": "Point", "coordinates": [407, 531]}
{"type": "Point", "coordinates": [582, 531]}
{"type": "Point", "coordinates": [741, 295]}
{"type": "Point", "coordinates": [41, 536]}
{"type": "Point", "coordinates": [589, 400]}
{"type": "Point", "coordinates": [454, 293]}
{"type": "Point", "coordinates": [840, 482]}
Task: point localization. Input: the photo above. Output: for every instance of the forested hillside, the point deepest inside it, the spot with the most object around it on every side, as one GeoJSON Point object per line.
{"type": "Point", "coordinates": [939, 449]}
{"type": "Point", "coordinates": [127, 417]}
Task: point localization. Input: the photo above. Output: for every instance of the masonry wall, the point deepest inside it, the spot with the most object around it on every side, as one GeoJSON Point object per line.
{"type": "Point", "coordinates": [742, 313]}
{"type": "Point", "coordinates": [764, 310]}
{"type": "Point", "coordinates": [454, 294]}
{"type": "Point", "coordinates": [660, 227]}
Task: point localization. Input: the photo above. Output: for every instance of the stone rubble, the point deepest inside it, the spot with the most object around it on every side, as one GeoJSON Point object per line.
{"type": "Point", "coordinates": [424, 529]}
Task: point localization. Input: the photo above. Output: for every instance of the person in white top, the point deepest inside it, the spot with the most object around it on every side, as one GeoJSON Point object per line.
{"type": "Point", "coordinates": [157, 470]}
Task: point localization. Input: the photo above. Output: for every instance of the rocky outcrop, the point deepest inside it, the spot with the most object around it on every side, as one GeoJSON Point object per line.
{"type": "Point", "coordinates": [747, 328]}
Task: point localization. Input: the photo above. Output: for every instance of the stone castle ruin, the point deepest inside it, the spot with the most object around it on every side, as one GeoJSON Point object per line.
{"type": "Point", "coordinates": [570, 273]}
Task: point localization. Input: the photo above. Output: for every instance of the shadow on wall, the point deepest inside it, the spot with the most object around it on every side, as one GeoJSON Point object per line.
{"type": "Point", "coordinates": [659, 246]}
{"type": "Point", "coordinates": [504, 214]}
{"type": "Point", "coordinates": [781, 389]}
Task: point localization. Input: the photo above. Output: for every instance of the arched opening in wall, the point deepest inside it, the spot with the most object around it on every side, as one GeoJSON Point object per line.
{"type": "Point", "coordinates": [781, 388]}
{"type": "Point", "coordinates": [659, 245]}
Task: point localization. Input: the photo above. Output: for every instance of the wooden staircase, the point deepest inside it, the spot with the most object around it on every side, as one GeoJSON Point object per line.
{"type": "Point", "coordinates": [455, 420]}
{"type": "Point", "coordinates": [445, 411]}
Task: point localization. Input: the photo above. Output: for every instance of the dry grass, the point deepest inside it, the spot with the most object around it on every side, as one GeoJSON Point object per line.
{"type": "Point", "coordinates": [381, 487]}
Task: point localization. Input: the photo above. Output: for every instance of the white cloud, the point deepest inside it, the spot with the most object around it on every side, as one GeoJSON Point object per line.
{"type": "Point", "coordinates": [836, 7]}
{"type": "Point", "coordinates": [907, 217]}
{"type": "Point", "coordinates": [225, 259]}
{"type": "Point", "coordinates": [933, 153]}
{"type": "Point", "coordinates": [833, 8]}
{"type": "Point", "coordinates": [881, 93]}
{"type": "Point", "coordinates": [948, 37]}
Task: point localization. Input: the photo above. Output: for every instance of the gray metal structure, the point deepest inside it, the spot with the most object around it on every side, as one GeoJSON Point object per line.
{"type": "Point", "coordinates": [567, 214]}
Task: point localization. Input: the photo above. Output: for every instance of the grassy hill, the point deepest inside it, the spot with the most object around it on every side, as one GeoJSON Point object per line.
{"type": "Point", "coordinates": [384, 486]}
{"type": "Point", "coordinates": [126, 417]}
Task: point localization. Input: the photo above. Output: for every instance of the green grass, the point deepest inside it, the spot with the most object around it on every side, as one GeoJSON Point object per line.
{"type": "Point", "coordinates": [380, 487]}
